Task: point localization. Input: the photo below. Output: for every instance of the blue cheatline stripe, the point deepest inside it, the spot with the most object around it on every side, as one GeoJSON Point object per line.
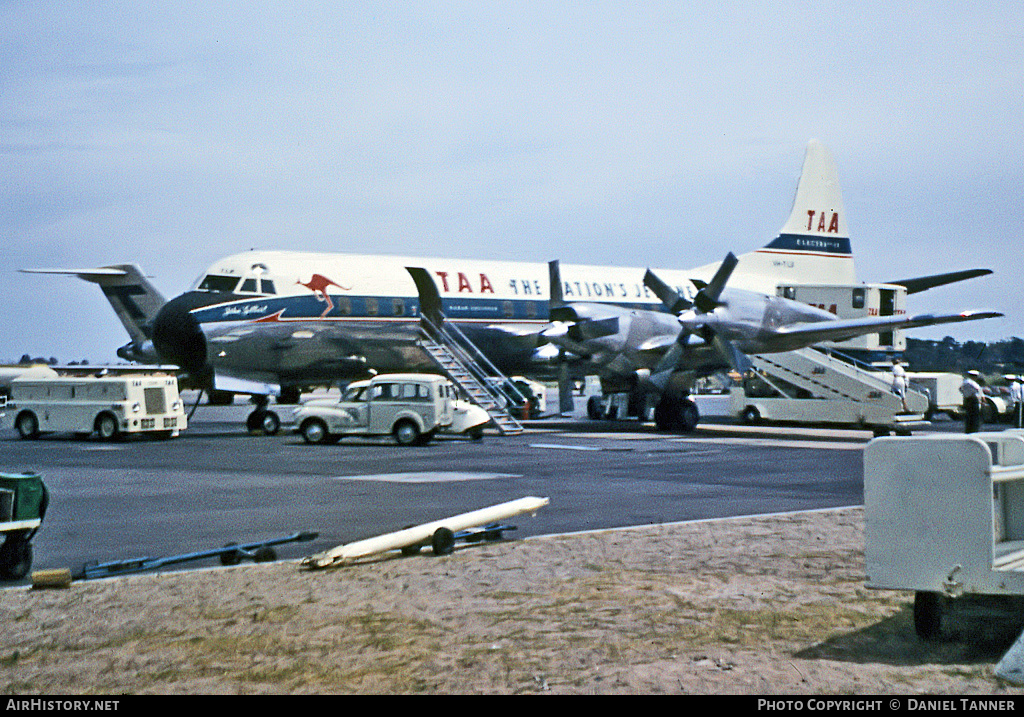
{"type": "Point", "coordinates": [812, 243]}
{"type": "Point", "coordinates": [371, 308]}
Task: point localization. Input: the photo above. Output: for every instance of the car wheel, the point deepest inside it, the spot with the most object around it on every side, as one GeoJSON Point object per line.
{"type": "Point", "coordinates": [28, 425]}
{"type": "Point", "coordinates": [406, 433]}
{"type": "Point", "coordinates": [106, 427]}
{"type": "Point", "coordinates": [315, 431]}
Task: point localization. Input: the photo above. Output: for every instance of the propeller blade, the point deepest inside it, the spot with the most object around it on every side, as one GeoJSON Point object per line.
{"type": "Point", "coordinates": [555, 285]}
{"type": "Point", "coordinates": [670, 360]}
{"type": "Point", "coordinates": [673, 300]}
{"type": "Point", "coordinates": [430, 299]}
{"type": "Point", "coordinates": [707, 298]}
{"type": "Point", "coordinates": [738, 360]}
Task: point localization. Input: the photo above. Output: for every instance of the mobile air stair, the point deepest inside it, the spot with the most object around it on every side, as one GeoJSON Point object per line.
{"type": "Point", "coordinates": [816, 386]}
{"type": "Point", "coordinates": [467, 367]}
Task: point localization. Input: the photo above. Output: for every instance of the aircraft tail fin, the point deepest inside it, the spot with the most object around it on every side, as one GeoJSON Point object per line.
{"type": "Point", "coordinates": [135, 300]}
{"type": "Point", "coordinates": [814, 243]}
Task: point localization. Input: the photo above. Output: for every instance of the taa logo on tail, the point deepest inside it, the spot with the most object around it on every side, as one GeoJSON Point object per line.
{"type": "Point", "coordinates": [833, 223]}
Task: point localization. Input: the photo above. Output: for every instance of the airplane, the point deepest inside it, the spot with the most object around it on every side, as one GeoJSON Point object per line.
{"type": "Point", "coordinates": [660, 354]}
{"type": "Point", "coordinates": [270, 323]}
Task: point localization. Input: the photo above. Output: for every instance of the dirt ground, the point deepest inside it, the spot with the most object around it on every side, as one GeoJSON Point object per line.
{"type": "Point", "coordinates": [771, 605]}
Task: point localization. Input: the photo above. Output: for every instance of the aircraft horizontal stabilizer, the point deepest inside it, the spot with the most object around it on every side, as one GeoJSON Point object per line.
{"type": "Point", "coordinates": [923, 283]}
{"type": "Point", "coordinates": [843, 329]}
{"type": "Point", "coordinates": [87, 274]}
{"type": "Point", "coordinates": [132, 296]}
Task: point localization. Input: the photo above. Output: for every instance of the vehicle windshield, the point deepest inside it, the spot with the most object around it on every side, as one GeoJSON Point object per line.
{"type": "Point", "coordinates": [356, 393]}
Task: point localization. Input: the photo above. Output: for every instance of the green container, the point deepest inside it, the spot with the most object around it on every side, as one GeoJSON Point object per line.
{"type": "Point", "coordinates": [30, 494]}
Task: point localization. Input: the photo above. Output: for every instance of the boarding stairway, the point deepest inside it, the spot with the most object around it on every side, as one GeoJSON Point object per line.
{"type": "Point", "coordinates": [823, 374]}
{"type": "Point", "coordinates": [467, 367]}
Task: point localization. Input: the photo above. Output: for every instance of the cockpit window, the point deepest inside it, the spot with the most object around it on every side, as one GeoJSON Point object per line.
{"type": "Point", "coordinates": [256, 286]}
{"type": "Point", "coordinates": [222, 284]}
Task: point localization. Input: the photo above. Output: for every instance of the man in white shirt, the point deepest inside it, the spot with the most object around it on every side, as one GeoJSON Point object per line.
{"type": "Point", "coordinates": [899, 382]}
{"type": "Point", "coordinates": [970, 388]}
{"type": "Point", "coordinates": [1017, 396]}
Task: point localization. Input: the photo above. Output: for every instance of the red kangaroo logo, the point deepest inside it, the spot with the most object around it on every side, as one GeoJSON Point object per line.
{"type": "Point", "coordinates": [318, 285]}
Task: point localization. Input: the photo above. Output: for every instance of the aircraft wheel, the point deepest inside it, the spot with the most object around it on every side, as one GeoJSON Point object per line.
{"type": "Point", "coordinates": [751, 416]}
{"type": "Point", "coordinates": [681, 416]}
{"type": "Point", "coordinates": [270, 424]}
{"type": "Point", "coordinates": [314, 431]}
{"type": "Point", "coordinates": [15, 557]}
{"type": "Point", "coordinates": [927, 615]}
{"type": "Point", "coordinates": [443, 541]}
{"type": "Point", "coordinates": [662, 415]}
{"type": "Point", "coordinates": [689, 416]}
{"type": "Point", "coordinates": [263, 421]}
{"type": "Point", "coordinates": [594, 411]}
{"type": "Point", "coordinates": [230, 558]}
{"type": "Point", "coordinates": [406, 433]}
{"type": "Point", "coordinates": [28, 425]}
{"type": "Point", "coordinates": [106, 427]}
{"type": "Point", "coordinates": [264, 554]}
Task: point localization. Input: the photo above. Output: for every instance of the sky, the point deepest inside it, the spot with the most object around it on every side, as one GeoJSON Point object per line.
{"type": "Point", "coordinates": [638, 134]}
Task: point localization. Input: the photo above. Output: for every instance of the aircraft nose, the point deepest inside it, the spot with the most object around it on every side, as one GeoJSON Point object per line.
{"type": "Point", "coordinates": [177, 336]}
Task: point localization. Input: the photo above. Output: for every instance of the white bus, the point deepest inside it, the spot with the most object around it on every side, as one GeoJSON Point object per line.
{"type": "Point", "coordinates": [111, 405]}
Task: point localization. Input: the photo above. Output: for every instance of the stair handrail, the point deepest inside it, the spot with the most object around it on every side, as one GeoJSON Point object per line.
{"type": "Point", "coordinates": [473, 359]}
{"type": "Point", "coordinates": [868, 368]}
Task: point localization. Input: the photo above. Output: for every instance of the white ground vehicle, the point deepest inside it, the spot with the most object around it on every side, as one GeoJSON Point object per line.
{"type": "Point", "coordinates": [943, 389]}
{"type": "Point", "coordinates": [811, 386]}
{"type": "Point", "coordinates": [409, 406]}
{"type": "Point", "coordinates": [110, 405]}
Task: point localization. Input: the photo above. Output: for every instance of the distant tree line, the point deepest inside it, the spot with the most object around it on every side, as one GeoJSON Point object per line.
{"type": "Point", "coordinates": [52, 361]}
{"type": "Point", "coordinates": [1001, 357]}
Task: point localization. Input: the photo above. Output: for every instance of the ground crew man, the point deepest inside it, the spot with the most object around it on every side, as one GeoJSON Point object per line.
{"type": "Point", "coordinates": [1017, 396]}
{"type": "Point", "coordinates": [899, 382]}
{"type": "Point", "coordinates": [970, 388]}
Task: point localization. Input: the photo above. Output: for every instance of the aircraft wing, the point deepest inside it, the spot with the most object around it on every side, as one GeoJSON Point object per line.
{"type": "Point", "coordinates": [843, 329]}
{"type": "Point", "coordinates": [923, 283]}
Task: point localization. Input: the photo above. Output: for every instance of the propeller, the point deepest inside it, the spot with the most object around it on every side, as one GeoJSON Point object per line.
{"type": "Point", "coordinates": [708, 298]}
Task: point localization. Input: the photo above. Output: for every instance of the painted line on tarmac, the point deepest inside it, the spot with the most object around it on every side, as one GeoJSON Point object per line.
{"type": "Point", "coordinates": [776, 443]}
{"type": "Point", "coordinates": [611, 436]}
{"type": "Point", "coordinates": [575, 447]}
{"type": "Point", "coordinates": [428, 477]}
{"type": "Point", "coordinates": [565, 447]}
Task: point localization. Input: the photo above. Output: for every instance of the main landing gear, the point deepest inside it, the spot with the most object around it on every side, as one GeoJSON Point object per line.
{"type": "Point", "coordinates": [262, 420]}
{"type": "Point", "coordinates": [676, 413]}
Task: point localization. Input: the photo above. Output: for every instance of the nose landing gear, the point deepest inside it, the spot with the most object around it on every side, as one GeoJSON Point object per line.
{"type": "Point", "coordinates": [263, 421]}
